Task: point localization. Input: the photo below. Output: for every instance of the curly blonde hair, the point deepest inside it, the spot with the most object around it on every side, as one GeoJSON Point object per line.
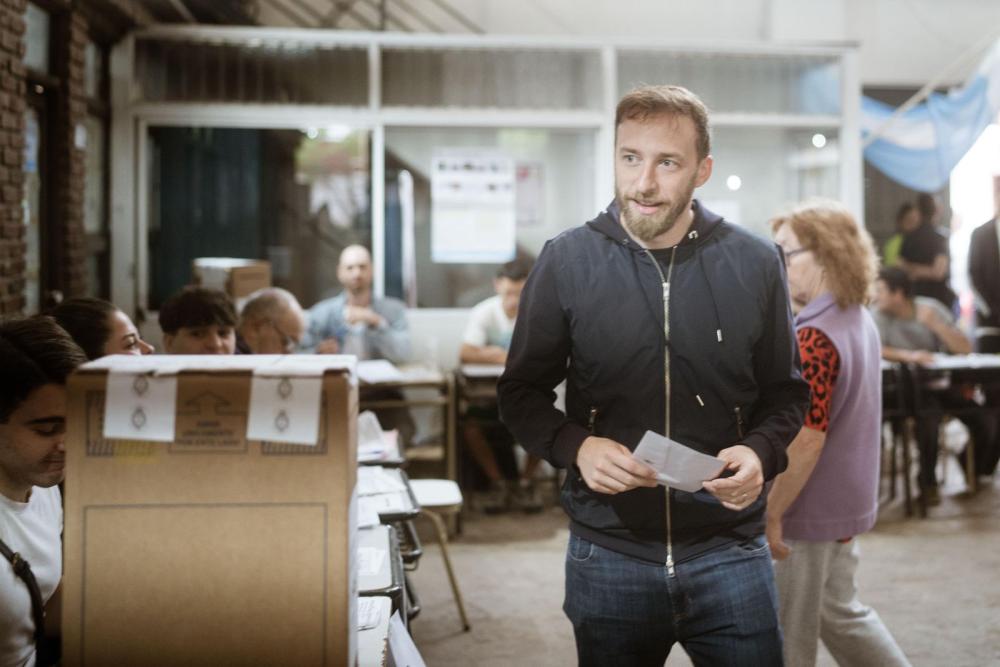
{"type": "Point", "coordinates": [841, 247]}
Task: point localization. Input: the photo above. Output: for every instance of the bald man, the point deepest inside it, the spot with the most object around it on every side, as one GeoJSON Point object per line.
{"type": "Point", "coordinates": [355, 321]}
{"type": "Point", "coordinates": [271, 322]}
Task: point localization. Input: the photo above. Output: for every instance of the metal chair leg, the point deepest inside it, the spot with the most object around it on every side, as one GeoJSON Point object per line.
{"type": "Point", "coordinates": [442, 535]}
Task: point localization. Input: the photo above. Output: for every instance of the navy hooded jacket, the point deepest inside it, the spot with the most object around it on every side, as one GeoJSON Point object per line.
{"type": "Point", "coordinates": [592, 313]}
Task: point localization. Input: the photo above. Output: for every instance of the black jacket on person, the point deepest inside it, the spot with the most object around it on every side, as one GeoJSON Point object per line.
{"type": "Point", "coordinates": [984, 270]}
{"type": "Point", "coordinates": [592, 312]}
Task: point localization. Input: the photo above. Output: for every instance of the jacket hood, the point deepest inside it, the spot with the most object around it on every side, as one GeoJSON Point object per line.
{"type": "Point", "coordinates": [608, 223]}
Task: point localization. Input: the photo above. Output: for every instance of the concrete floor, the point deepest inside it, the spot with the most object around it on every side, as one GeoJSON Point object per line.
{"type": "Point", "coordinates": [935, 582]}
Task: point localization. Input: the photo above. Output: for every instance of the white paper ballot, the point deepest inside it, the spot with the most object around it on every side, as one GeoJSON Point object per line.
{"type": "Point", "coordinates": [370, 561]}
{"type": "Point", "coordinates": [369, 612]}
{"type": "Point", "coordinates": [374, 371]}
{"type": "Point", "coordinates": [677, 465]}
{"type": "Point", "coordinates": [368, 512]}
{"type": "Point", "coordinates": [373, 480]}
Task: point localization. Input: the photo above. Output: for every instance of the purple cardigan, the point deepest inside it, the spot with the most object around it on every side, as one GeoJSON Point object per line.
{"type": "Point", "coordinates": [840, 499]}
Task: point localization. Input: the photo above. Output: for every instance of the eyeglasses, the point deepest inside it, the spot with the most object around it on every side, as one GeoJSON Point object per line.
{"type": "Point", "coordinates": [288, 343]}
{"type": "Point", "coordinates": [792, 253]}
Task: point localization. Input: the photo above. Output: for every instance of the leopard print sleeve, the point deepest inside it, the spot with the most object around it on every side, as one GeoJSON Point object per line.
{"type": "Point", "coordinates": [820, 368]}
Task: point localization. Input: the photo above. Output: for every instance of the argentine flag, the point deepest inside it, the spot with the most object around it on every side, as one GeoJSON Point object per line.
{"type": "Point", "coordinates": [921, 147]}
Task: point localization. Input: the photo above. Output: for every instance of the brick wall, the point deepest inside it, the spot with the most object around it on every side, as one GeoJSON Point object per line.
{"type": "Point", "coordinates": [12, 107]}
{"type": "Point", "coordinates": [67, 247]}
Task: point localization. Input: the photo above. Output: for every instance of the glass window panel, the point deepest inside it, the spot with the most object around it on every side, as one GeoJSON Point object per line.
{"type": "Point", "coordinates": [36, 38]}
{"type": "Point", "coordinates": [296, 198]}
{"type": "Point", "coordinates": [177, 71]}
{"type": "Point", "coordinates": [796, 169]}
{"type": "Point", "coordinates": [33, 208]}
{"type": "Point", "coordinates": [556, 177]}
{"type": "Point", "coordinates": [741, 83]}
{"type": "Point", "coordinates": [491, 79]}
{"type": "Point", "coordinates": [94, 200]}
{"type": "Point", "coordinates": [93, 71]}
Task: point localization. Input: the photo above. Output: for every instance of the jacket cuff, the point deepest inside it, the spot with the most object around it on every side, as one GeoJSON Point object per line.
{"type": "Point", "coordinates": [770, 463]}
{"type": "Point", "coordinates": [568, 440]}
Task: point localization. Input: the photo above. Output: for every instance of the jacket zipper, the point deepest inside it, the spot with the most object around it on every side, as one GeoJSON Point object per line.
{"type": "Point", "coordinates": [592, 420]}
{"type": "Point", "coordinates": [739, 421]}
{"type": "Point", "coordinates": [665, 281]}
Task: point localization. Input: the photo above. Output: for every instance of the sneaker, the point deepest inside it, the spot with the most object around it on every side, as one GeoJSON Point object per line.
{"type": "Point", "coordinates": [495, 500]}
{"type": "Point", "coordinates": [527, 498]}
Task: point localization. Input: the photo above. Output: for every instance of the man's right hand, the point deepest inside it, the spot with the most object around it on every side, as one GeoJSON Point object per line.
{"type": "Point", "coordinates": [609, 467]}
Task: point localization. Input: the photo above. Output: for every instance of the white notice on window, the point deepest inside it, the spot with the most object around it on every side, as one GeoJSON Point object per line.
{"type": "Point", "coordinates": [473, 207]}
{"type": "Point", "coordinates": [678, 465]}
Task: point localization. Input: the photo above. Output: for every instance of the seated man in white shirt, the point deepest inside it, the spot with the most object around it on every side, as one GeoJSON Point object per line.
{"type": "Point", "coordinates": [36, 356]}
{"type": "Point", "coordinates": [486, 340]}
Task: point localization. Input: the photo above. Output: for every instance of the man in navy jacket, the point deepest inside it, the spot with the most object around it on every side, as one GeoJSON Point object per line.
{"type": "Point", "coordinates": [660, 316]}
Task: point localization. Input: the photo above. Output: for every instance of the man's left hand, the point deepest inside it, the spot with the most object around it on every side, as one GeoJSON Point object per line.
{"type": "Point", "coordinates": [742, 489]}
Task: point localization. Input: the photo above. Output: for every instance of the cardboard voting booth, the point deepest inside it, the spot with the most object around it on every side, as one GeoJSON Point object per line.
{"type": "Point", "coordinates": [210, 512]}
{"type": "Point", "coordinates": [239, 278]}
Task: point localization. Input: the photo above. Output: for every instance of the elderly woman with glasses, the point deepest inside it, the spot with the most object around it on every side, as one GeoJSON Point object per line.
{"type": "Point", "coordinates": [829, 493]}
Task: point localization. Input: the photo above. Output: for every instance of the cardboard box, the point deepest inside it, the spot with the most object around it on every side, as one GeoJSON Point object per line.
{"type": "Point", "coordinates": [210, 549]}
{"type": "Point", "coordinates": [239, 278]}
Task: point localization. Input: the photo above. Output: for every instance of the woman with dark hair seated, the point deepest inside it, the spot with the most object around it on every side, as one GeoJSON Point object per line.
{"type": "Point", "coordinates": [99, 327]}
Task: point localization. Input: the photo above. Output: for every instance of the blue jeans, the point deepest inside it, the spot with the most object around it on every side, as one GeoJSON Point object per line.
{"type": "Point", "coordinates": [721, 606]}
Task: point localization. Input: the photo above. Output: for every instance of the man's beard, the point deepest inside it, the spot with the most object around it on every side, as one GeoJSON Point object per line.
{"type": "Point", "coordinates": [648, 227]}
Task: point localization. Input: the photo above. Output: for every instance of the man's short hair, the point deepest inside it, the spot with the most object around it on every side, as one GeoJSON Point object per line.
{"type": "Point", "coordinates": [267, 303]}
{"type": "Point", "coordinates": [87, 320]}
{"type": "Point", "coordinates": [896, 280]}
{"type": "Point", "coordinates": [34, 352]}
{"type": "Point", "coordinates": [646, 101]}
{"type": "Point", "coordinates": [196, 307]}
{"type": "Point", "coordinates": [517, 269]}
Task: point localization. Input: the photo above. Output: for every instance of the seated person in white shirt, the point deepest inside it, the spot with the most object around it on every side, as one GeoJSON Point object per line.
{"type": "Point", "coordinates": [486, 340]}
{"type": "Point", "coordinates": [36, 356]}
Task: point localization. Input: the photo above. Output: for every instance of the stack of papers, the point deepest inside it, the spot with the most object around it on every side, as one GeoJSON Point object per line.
{"type": "Point", "coordinates": [368, 512]}
{"type": "Point", "coordinates": [373, 480]}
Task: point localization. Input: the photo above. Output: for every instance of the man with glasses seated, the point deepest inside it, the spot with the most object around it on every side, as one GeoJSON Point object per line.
{"type": "Point", "coordinates": [271, 322]}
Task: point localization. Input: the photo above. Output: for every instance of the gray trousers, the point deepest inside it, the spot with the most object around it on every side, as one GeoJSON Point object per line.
{"type": "Point", "coordinates": [818, 599]}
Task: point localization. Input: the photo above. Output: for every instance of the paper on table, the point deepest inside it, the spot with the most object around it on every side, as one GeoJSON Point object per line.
{"type": "Point", "coordinates": [140, 406]}
{"type": "Point", "coordinates": [378, 370]}
{"type": "Point", "coordinates": [390, 503]}
{"type": "Point", "coordinates": [368, 612]}
{"type": "Point", "coordinates": [368, 512]}
{"type": "Point", "coordinates": [373, 480]}
{"type": "Point", "coordinates": [370, 561]}
{"type": "Point", "coordinates": [678, 465]}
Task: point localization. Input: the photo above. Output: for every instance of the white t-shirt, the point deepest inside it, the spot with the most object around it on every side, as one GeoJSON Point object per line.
{"type": "Point", "coordinates": [34, 530]}
{"type": "Point", "coordinates": [489, 325]}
